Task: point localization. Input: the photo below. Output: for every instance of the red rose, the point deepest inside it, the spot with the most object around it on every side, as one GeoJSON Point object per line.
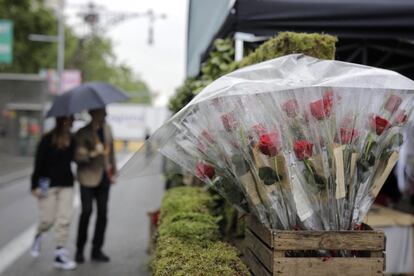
{"type": "Point", "coordinates": [379, 124]}
{"type": "Point", "coordinates": [269, 144]}
{"type": "Point", "coordinates": [348, 135]}
{"type": "Point", "coordinates": [291, 108]}
{"type": "Point", "coordinates": [207, 136]}
{"type": "Point", "coordinates": [393, 103]}
{"type": "Point", "coordinates": [229, 122]}
{"type": "Point", "coordinates": [204, 170]}
{"type": "Point", "coordinates": [259, 129]}
{"type": "Point", "coordinates": [401, 117]}
{"type": "Point", "coordinates": [347, 122]}
{"type": "Point", "coordinates": [321, 109]}
{"type": "Point", "coordinates": [328, 97]}
{"type": "Point", "coordinates": [217, 104]}
{"type": "Point", "coordinates": [303, 149]}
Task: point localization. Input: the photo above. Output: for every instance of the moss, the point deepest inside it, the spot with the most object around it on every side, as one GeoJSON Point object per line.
{"type": "Point", "coordinates": [190, 216]}
{"type": "Point", "coordinates": [178, 257]}
{"type": "Point", "coordinates": [186, 199]}
{"type": "Point", "coordinates": [221, 59]}
{"type": "Point", "coordinates": [316, 45]}
{"type": "Point", "coordinates": [190, 226]}
{"type": "Point", "coordinates": [188, 235]}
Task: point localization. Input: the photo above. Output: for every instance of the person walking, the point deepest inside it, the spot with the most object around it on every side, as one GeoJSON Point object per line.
{"type": "Point", "coordinates": [52, 184]}
{"type": "Point", "coordinates": [94, 154]}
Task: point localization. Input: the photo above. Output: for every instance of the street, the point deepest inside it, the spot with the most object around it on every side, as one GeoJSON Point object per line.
{"type": "Point", "coordinates": [126, 237]}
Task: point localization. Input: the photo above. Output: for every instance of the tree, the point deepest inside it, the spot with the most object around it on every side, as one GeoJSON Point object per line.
{"type": "Point", "coordinates": [93, 55]}
{"type": "Point", "coordinates": [29, 17]}
{"type": "Point", "coordinates": [97, 61]}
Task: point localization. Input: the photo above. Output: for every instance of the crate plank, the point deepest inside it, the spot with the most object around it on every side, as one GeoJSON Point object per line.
{"type": "Point", "coordinates": [263, 244]}
{"type": "Point", "coordinates": [328, 267]}
{"type": "Point", "coordinates": [260, 250]}
{"type": "Point", "coordinates": [256, 267]}
{"type": "Point", "coordinates": [328, 240]}
{"type": "Point", "coordinates": [260, 230]}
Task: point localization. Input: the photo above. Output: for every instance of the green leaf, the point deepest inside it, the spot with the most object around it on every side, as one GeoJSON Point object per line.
{"type": "Point", "coordinates": [371, 159]}
{"type": "Point", "coordinates": [268, 175]}
{"type": "Point", "coordinates": [397, 140]}
{"type": "Point", "coordinates": [242, 167]}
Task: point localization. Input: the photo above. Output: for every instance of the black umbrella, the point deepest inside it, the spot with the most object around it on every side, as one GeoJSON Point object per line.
{"type": "Point", "coordinates": [90, 95]}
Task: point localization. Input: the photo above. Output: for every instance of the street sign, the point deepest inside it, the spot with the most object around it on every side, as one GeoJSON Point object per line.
{"type": "Point", "coordinates": [6, 41]}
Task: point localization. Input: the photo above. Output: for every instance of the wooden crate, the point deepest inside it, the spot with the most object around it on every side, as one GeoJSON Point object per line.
{"type": "Point", "coordinates": [268, 252]}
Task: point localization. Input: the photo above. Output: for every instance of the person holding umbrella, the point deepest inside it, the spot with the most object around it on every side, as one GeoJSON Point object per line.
{"type": "Point", "coordinates": [95, 157]}
{"type": "Point", "coordinates": [52, 184]}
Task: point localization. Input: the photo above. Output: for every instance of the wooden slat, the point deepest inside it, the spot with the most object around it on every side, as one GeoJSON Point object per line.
{"type": "Point", "coordinates": [377, 254]}
{"type": "Point", "coordinates": [260, 230]}
{"type": "Point", "coordinates": [329, 240]}
{"type": "Point", "coordinates": [332, 266]}
{"type": "Point", "coordinates": [256, 267]}
{"type": "Point", "coordinates": [259, 249]}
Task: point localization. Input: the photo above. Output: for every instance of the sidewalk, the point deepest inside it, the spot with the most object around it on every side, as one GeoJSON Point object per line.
{"type": "Point", "coordinates": [126, 237]}
{"type": "Point", "coordinates": [13, 168]}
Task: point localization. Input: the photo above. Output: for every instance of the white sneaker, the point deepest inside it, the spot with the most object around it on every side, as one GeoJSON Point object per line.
{"type": "Point", "coordinates": [62, 261]}
{"type": "Point", "coordinates": [35, 250]}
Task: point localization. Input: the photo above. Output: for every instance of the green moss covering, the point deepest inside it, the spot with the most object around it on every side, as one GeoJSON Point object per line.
{"type": "Point", "coordinates": [221, 59]}
{"type": "Point", "coordinates": [190, 216]}
{"type": "Point", "coordinates": [190, 226]}
{"type": "Point", "coordinates": [188, 235]}
{"type": "Point", "coordinates": [182, 258]}
{"type": "Point", "coordinates": [186, 199]}
{"type": "Point", "coordinates": [316, 45]}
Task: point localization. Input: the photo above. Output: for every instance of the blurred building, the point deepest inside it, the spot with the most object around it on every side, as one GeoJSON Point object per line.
{"type": "Point", "coordinates": [23, 101]}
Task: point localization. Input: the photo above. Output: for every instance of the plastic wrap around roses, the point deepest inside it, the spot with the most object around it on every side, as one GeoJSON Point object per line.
{"type": "Point", "coordinates": [300, 143]}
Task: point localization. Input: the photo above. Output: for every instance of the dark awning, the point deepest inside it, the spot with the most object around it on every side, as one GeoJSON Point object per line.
{"type": "Point", "coordinates": [373, 32]}
{"type": "Point", "coordinates": [345, 18]}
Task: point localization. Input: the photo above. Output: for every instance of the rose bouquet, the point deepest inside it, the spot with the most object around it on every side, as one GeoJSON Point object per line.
{"type": "Point", "coordinates": [301, 143]}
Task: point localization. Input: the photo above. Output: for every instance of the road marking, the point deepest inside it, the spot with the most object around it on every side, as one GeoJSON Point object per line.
{"type": "Point", "coordinates": [21, 244]}
{"type": "Point", "coordinates": [16, 248]}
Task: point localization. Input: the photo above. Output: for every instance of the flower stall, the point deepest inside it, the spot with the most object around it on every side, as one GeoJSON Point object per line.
{"type": "Point", "coordinates": [303, 146]}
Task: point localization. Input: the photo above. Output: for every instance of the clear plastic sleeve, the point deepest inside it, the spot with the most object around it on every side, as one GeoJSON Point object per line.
{"type": "Point", "coordinates": [301, 143]}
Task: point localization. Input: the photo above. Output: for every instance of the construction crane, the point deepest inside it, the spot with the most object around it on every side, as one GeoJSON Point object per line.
{"type": "Point", "coordinates": [99, 19]}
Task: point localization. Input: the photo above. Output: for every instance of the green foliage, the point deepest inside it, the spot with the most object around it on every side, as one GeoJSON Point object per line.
{"type": "Point", "coordinates": [93, 56]}
{"type": "Point", "coordinates": [29, 17]}
{"type": "Point", "coordinates": [186, 199]}
{"type": "Point", "coordinates": [97, 61]}
{"type": "Point", "coordinates": [186, 92]}
{"type": "Point", "coordinates": [181, 258]}
{"type": "Point", "coordinates": [220, 62]}
{"type": "Point", "coordinates": [197, 227]}
{"type": "Point", "coordinates": [189, 217]}
{"type": "Point", "coordinates": [316, 45]}
{"type": "Point", "coordinates": [269, 176]}
{"type": "Point", "coordinates": [188, 237]}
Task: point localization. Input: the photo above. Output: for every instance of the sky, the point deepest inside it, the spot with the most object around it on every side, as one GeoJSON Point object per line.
{"type": "Point", "coordinates": [162, 65]}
